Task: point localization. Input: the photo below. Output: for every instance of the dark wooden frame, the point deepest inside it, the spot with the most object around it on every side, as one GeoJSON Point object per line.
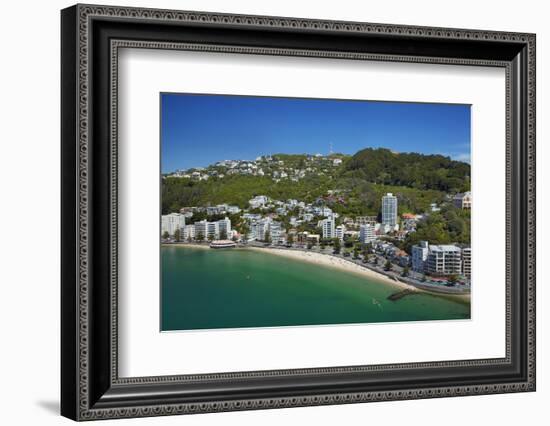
{"type": "Point", "coordinates": [90, 386]}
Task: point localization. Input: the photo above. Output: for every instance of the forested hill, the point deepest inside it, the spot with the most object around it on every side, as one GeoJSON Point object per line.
{"type": "Point", "coordinates": [414, 170]}
{"type": "Point", "coordinates": [360, 180]}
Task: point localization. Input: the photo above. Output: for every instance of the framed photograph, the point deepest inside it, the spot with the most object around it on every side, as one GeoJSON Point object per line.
{"type": "Point", "coordinates": [263, 212]}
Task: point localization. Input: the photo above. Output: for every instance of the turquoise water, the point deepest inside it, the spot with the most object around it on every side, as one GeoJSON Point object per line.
{"type": "Point", "coordinates": [207, 289]}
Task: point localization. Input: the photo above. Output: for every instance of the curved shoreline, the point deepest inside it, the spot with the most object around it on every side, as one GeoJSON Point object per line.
{"type": "Point", "coordinates": [345, 265]}
{"type": "Point", "coordinates": [333, 262]}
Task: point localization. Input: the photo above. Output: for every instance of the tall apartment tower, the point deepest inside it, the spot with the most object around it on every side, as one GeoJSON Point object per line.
{"type": "Point", "coordinates": [389, 209]}
{"type": "Point", "coordinates": [328, 228]}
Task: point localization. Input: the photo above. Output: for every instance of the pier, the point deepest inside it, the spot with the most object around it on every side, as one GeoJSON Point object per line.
{"type": "Point", "coordinates": [400, 294]}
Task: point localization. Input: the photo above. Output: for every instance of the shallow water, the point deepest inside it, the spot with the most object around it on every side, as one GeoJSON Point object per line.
{"type": "Point", "coordinates": [208, 289]}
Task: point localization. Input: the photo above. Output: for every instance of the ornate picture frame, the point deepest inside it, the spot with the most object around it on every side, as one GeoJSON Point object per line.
{"type": "Point", "coordinates": [91, 37]}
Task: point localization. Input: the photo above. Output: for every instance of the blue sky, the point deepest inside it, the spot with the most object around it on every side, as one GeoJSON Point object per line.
{"type": "Point", "coordinates": [198, 130]}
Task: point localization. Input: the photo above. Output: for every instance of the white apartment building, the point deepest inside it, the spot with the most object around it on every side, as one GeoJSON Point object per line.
{"type": "Point", "coordinates": [366, 234]}
{"type": "Point", "coordinates": [224, 225]}
{"type": "Point", "coordinates": [189, 232]}
{"type": "Point", "coordinates": [389, 209]}
{"type": "Point", "coordinates": [171, 222]}
{"type": "Point", "coordinates": [328, 228]}
{"type": "Point", "coordinates": [443, 260]}
{"type": "Point", "coordinates": [201, 228]}
{"type": "Point", "coordinates": [258, 201]}
{"type": "Point", "coordinates": [258, 229]}
{"type": "Point", "coordinates": [212, 230]}
{"type": "Point", "coordinates": [276, 231]}
{"type": "Point", "coordinates": [339, 232]}
{"type": "Point", "coordinates": [419, 256]}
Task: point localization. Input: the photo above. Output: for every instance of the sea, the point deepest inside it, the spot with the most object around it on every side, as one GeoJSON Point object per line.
{"type": "Point", "coordinates": [233, 288]}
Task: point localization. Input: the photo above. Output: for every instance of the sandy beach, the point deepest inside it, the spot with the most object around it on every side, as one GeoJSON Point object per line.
{"type": "Point", "coordinates": [188, 245]}
{"type": "Point", "coordinates": [334, 262]}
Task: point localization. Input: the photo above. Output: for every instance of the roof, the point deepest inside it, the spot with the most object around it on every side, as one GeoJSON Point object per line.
{"type": "Point", "coordinates": [444, 247]}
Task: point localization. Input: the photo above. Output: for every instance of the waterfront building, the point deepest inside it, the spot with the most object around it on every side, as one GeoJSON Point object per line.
{"type": "Point", "coordinates": [224, 225]}
{"type": "Point", "coordinates": [401, 258]}
{"type": "Point", "coordinates": [467, 262]}
{"type": "Point", "coordinates": [276, 231]}
{"type": "Point", "coordinates": [366, 234]}
{"type": "Point", "coordinates": [443, 260]}
{"type": "Point", "coordinates": [212, 230]}
{"type": "Point", "coordinates": [419, 256]}
{"type": "Point", "coordinates": [301, 237]}
{"type": "Point", "coordinates": [389, 209]}
{"type": "Point", "coordinates": [463, 200]}
{"type": "Point", "coordinates": [171, 222]}
{"type": "Point", "coordinates": [258, 229]}
{"type": "Point", "coordinates": [188, 232]}
{"type": "Point", "coordinates": [339, 232]}
{"type": "Point", "coordinates": [201, 228]}
{"type": "Point", "coordinates": [313, 238]}
{"type": "Point", "coordinates": [327, 225]}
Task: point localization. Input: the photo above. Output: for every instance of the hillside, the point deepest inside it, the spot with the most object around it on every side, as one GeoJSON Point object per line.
{"type": "Point", "coordinates": [360, 181]}
{"type": "Point", "coordinates": [412, 170]}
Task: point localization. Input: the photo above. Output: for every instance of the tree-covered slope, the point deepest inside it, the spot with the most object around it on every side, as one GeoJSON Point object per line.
{"type": "Point", "coordinates": [413, 170]}
{"type": "Point", "coordinates": [360, 180]}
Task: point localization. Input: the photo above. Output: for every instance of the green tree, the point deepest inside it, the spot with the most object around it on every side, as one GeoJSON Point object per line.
{"type": "Point", "coordinates": [177, 234]}
{"type": "Point", "coordinates": [356, 252]}
{"type": "Point", "coordinates": [165, 235]}
{"type": "Point", "coordinates": [337, 246]}
{"type": "Point", "coordinates": [290, 239]}
{"type": "Point", "coordinates": [200, 237]}
{"type": "Point", "coordinates": [211, 237]}
{"type": "Point", "coordinates": [223, 234]}
{"type": "Point", "coordinates": [452, 279]}
{"type": "Point", "coordinates": [405, 272]}
{"type": "Point", "coordinates": [267, 237]}
{"type": "Point", "coordinates": [388, 266]}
